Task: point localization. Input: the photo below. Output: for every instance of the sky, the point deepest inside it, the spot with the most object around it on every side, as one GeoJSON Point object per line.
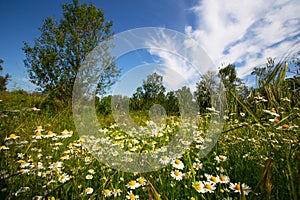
{"type": "Point", "coordinates": [243, 32]}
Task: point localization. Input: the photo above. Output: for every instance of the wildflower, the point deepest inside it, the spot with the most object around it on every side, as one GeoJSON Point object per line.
{"type": "Point", "coordinates": [50, 134]}
{"type": "Point", "coordinates": [284, 127]}
{"type": "Point", "coordinates": [223, 179]}
{"type": "Point", "coordinates": [209, 186]}
{"type": "Point", "coordinates": [132, 196]}
{"type": "Point", "coordinates": [117, 192]}
{"type": "Point", "coordinates": [275, 120]}
{"type": "Point", "coordinates": [56, 165]}
{"type": "Point", "coordinates": [197, 165]}
{"type": "Point", "coordinates": [107, 193]}
{"type": "Point", "coordinates": [89, 177]}
{"type": "Point", "coordinates": [35, 109]}
{"type": "Point", "coordinates": [285, 99]}
{"type": "Point", "coordinates": [199, 139]}
{"type": "Point", "coordinates": [4, 147]}
{"type": "Point", "coordinates": [178, 164]}
{"type": "Point", "coordinates": [89, 190]}
{"type": "Point", "coordinates": [211, 178]}
{"type": "Point", "coordinates": [272, 112]}
{"type": "Point", "coordinates": [243, 114]}
{"type": "Point", "coordinates": [37, 198]}
{"type": "Point", "coordinates": [91, 171]}
{"type": "Point", "coordinates": [164, 160]}
{"type": "Point", "coordinates": [87, 160]}
{"type": "Point", "coordinates": [133, 184]}
{"type": "Point", "coordinates": [199, 187]}
{"type": "Point", "coordinates": [141, 181]}
{"type": "Point", "coordinates": [236, 187]}
{"type": "Point", "coordinates": [220, 158]}
{"type": "Point", "coordinates": [24, 171]}
{"type": "Point", "coordinates": [24, 164]}
{"type": "Point", "coordinates": [200, 146]}
{"type": "Point", "coordinates": [64, 178]}
{"type": "Point", "coordinates": [39, 129]}
{"type": "Point", "coordinates": [38, 135]}
{"type": "Point", "coordinates": [177, 175]}
{"type": "Point", "coordinates": [12, 137]}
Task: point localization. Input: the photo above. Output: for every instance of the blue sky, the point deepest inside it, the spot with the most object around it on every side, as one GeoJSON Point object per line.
{"type": "Point", "coordinates": [244, 32]}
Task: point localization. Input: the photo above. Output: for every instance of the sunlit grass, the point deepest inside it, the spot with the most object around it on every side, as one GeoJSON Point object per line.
{"type": "Point", "coordinates": [42, 157]}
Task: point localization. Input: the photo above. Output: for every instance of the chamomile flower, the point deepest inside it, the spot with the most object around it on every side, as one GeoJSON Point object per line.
{"type": "Point", "coordinates": [224, 179]}
{"type": "Point", "coordinates": [177, 175]}
{"type": "Point", "coordinates": [38, 135]}
{"type": "Point", "coordinates": [133, 184]}
{"type": "Point", "coordinates": [89, 177]}
{"type": "Point", "coordinates": [89, 190]}
{"type": "Point", "coordinates": [178, 164]}
{"type": "Point", "coordinates": [107, 193]}
{"type": "Point", "coordinates": [12, 137]}
{"type": "Point", "coordinates": [211, 178]}
{"type": "Point", "coordinates": [164, 160]}
{"type": "Point", "coordinates": [197, 165]}
{"type": "Point", "coordinates": [91, 171]}
{"type": "Point", "coordinates": [4, 147]}
{"type": "Point", "coordinates": [209, 186]}
{"type": "Point", "coordinates": [236, 187]}
{"type": "Point", "coordinates": [220, 158]}
{"type": "Point", "coordinates": [199, 187]}
{"type": "Point", "coordinates": [141, 180]}
{"type": "Point", "coordinates": [132, 196]}
{"type": "Point", "coordinates": [117, 192]}
{"type": "Point", "coordinates": [39, 129]}
{"type": "Point", "coordinates": [64, 178]}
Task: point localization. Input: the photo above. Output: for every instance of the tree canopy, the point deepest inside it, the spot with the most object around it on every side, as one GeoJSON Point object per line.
{"type": "Point", "coordinates": [3, 79]}
{"type": "Point", "coordinates": [63, 45]}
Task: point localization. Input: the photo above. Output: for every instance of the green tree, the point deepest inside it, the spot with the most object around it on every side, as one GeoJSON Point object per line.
{"type": "Point", "coordinates": [152, 91]}
{"type": "Point", "coordinates": [62, 47]}
{"type": "Point", "coordinates": [204, 89]}
{"type": "Point", "coordinates": [3, 79]}
{"type": "Point", "coordinates": [234, 87]}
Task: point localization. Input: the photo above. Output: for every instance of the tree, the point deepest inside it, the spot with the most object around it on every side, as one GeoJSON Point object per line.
{"type": "Point", "coordinates": [63, 45]}
{"type": "Point", "coordinates": [3, 79]}
{"type": "Point", "coordinates": [152, 91]}
{"type": "Point", "coordinates": [204, 88]}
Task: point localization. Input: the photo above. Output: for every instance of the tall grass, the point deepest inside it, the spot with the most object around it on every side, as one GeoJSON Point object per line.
{"type": "Point", "coordinates": [258, 148]}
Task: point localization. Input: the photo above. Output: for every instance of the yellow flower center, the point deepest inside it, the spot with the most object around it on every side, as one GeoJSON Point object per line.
{"type": "Point", "coordinates": [238, 187]}
{"type": "Point", "coordinates": [177, 173]}
{"type": "Point", "coordinates": [50, 132]}
{"type": "Point", "coordinates": [285, 126]}
{"type": "Point", "coordinates": [38, 133]}
{"type": "Point", "coordinates": [11, 136]}
{"type": "Point", "coordinates": [208, 186]}
{"type": "Point", "coordinates": [141, 181]}
{"type": "Point", "coordinates": [222, 178]}
{"type": "Point", "coordinates": [131, 196]}
{"type": "Point", "coordinates": [132, 183]}
{"type": "Point", "coordinates": [197, 186]}
{"type": "Point", "coordinates": [106, 191]}
{"type": "Point", "coordinates": [213, 179]}
{"type": "Point", "coordinates": [177, 162]}
{"type": "Point", "coordinates": [273, 110]}
{"type": "Point", "coordinates": [276, 120]}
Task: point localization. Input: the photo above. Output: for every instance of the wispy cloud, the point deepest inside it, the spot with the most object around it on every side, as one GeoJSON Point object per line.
{"type": "Point", "coordinates": [246, 32]}
{"type": "Point", "coordinates": [182, 59]}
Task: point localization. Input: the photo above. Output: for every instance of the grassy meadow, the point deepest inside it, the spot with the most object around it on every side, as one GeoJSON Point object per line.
{"type": "Point", "coordinates": [257, 155]}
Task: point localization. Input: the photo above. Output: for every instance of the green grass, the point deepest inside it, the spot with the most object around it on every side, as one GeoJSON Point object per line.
{"type": "Point", "coordinates": [265, 157]}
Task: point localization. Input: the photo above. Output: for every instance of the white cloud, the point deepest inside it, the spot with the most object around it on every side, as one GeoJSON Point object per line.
{"type": "Point", "coordinates": [182, 57]}
{"type": "Point", "coordinates": [246, 32]}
